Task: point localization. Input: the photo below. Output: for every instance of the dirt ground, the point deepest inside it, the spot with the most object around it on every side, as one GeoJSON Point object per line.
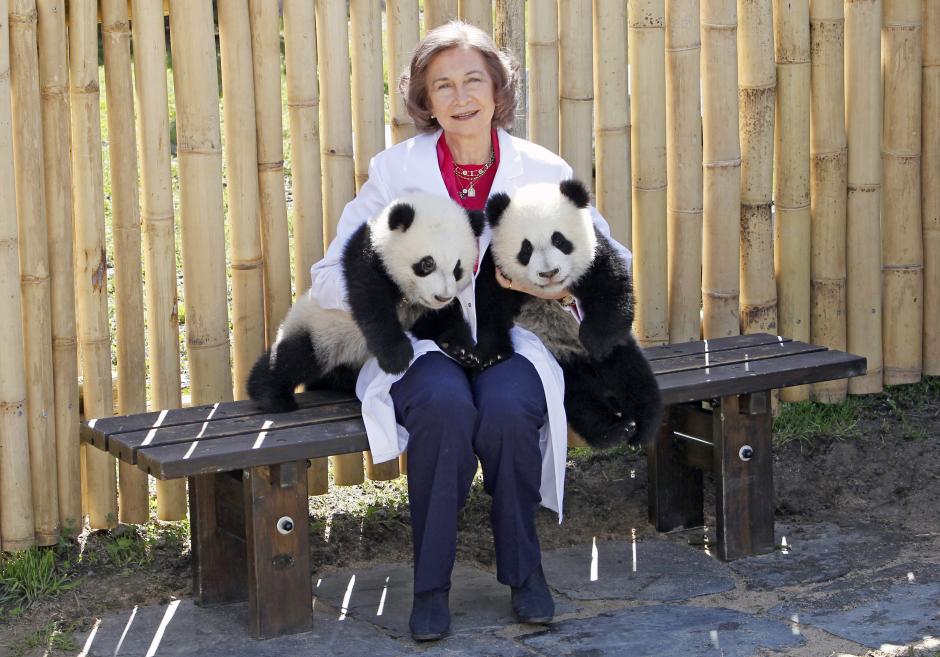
{"type": "Point", "coordinates": [887, 470]}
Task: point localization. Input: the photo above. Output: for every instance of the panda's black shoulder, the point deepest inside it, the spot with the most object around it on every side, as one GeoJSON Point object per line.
{"type": "Point", "coordinates": [362, 264]}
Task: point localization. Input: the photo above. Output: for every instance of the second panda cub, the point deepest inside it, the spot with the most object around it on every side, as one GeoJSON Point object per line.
{"type": "Point", "coordinates": [544, 236]}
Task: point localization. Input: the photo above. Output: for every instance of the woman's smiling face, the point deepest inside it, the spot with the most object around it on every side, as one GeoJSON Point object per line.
{"type": "Point", "coordinates": [460, 92]}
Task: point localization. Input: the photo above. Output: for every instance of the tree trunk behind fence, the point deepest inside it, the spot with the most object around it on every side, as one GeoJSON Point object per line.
{"type": "Point", "coordinates": [244, 175]}
{"type": "Point", "coordinates": [757, 81]}
{"type": "Point", "coordinates": [133, 496]}
{"type": "Point", "coordinates": [337, 162]}
{"type": "Point", "coordinates": [612, 116]}
{"type": "Point", "coordinates": [829, 186]}
{"type": "Point", "coordinates": [791, 165]}
{"type": "Point", "coordinates": [902, 225]}
{"type": "Point", "coordinates": [863, 104]}
{"type": "Point", "coordinates": [930, 187]}
{"type": "Point", "coordinates": [91, 261]}
{"type": "Point", "coordinates": [266, 60]}
{"type": "Point", "coordinates": [477, 12]}
{"type": "Point", "coordinates": [438, 12]}
{"type": "Point", "coordinates": [153, 126]}
{"type": "Point", "coordinates": [401, 19]}
{"type": "Point", "coordinates": [722, 169]}
{"type": "Point", "coordinates": [16, 498]}
{"type": "Point", "coordinates": [648, 115]}
{"type": "Point", "coordinates": [199, 150]}
{"type": "Point", "coordinates": [542, 54]}
{"type": "Point", "coordinates": [509, 34]}
{"type": "Point", "coordinates": [684, 168]}
{"type": "Point", "coordinates": [577, 86]}
{"type": "Point", "coordinates": [54, 79]}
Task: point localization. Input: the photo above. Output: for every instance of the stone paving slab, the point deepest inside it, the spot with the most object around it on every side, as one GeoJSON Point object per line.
{"type": "Point", "coordinates": [667, 630]}
{"type": "Point", "coordinates": [655, 570]}
{"type": "Point", "coordinates": [819, 553]}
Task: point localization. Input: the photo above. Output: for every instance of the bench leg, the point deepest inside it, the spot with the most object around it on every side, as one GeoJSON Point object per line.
{"type": "Point", "coordinates": [743, 468]}
{"type": "Point", "coordinates": [675, 488]}
{"type": "Point", "coordinates": [280, 600]}
{"type": "Point", "coordinates": [217, 527]}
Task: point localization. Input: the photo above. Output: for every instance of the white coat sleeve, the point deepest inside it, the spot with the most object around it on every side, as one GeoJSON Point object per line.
{"type": "Point", "coordinates": [328, 285]}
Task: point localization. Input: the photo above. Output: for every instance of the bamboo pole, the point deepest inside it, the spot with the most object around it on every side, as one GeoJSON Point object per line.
{"type": "Point", "coordinates": [401, 19]}
{"type": "Point", "coordinates": [153, 128]}
{"type": "Point", "coordinates": [684, 168]}
{"type": "Point", "coordinates": [34, 267]}
{"type": "Point", "coordinates": [477, 12]}
{"type": "Point", "coordinates": [57, 175]}
{"type": "Point", "coordinates": [902, 225]}
{"type": "Point", "coordinates": [542, 43]}
{"type": "Point", "coordinates": [202, 224]}
{"type": "Point", "coordinates": [647, 21]}
{"type": "Point", "coordinates": [757, 80]}
{"type": "Point", "coordinates": [576, 83]}
{"type": "Point", "coordinates": [16, 496]}
{"type": "Point", "coordinates": [303, 103]}
{"type": "Point", "coordinates": [509, 35]}
{"type": "Point", "coordinates": [90, 259]}
{"type": "Point", "coordinates": [336, 156]}
{"type": "Point", "coordinates": [438, 12]}
{"type": "Point", "coordinates": [266, 59]}
{"type": "Point", "coordinates": [829, 186]}
{"type": "Point", "coordinates": [133, 496]}
{"type": "Point", "coordinates": [721, 154]}
{"type": "Point", "coordinates": [863, 104]}
{"type": "Point", "coordinates": [611, 115]}
{"type": "Point", "coordinates": [930, 187]}
{"type": "Point", "coordinates": [244, 177]}
{"type": "Point", "coordinates": [791, 179]}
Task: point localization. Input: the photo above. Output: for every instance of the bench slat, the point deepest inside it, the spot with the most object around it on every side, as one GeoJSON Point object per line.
{"type": "Point", "coordinates": [680, 349]}
{"type": "Point", "coordinates": [740, 378]}
{"type": "Point", "coordinates": [730, 356]}
{"type": "Point", "coordinates": [126, 445]}
{"type": "Point", "coordinates": [244, 451]}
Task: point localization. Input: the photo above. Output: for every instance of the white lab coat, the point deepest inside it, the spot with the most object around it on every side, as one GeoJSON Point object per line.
{"type": "Point", "coordinates": [409, 167]}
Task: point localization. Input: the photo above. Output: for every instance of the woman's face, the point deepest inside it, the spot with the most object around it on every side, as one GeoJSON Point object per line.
{"type": "Point", "coordinates": [460, 92]}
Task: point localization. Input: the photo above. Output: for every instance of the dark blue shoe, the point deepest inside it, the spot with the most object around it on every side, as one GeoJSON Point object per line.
{"type": "Point", "coordinates": [430, 615]}
{"type": "Point", "coordinates": [532, 602]}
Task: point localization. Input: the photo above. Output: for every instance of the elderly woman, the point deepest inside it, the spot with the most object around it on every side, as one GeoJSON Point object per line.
{"type": "Point", "coordinates": [461, 92]}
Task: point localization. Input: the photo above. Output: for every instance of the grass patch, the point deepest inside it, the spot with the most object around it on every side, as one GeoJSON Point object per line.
{"type": "Point", "coordinates": [804, 421]}
{"type": "Point", "coordinates": [29, 575]}
{"type": "Point", "coordinates": [52, 637]}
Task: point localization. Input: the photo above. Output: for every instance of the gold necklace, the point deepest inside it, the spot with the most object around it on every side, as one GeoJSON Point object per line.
{"type": "Point", "coordinates": [470, 177]}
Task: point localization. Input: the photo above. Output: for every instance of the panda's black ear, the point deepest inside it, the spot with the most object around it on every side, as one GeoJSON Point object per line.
{"type": "Point", "coordinates": [400, 216]}
{"type": "Point", "coordinates": [477, 219]}
{"type": "Point", "coordinates": [495, 207]}
{"type": "Point", "coordinates": [575, 192]}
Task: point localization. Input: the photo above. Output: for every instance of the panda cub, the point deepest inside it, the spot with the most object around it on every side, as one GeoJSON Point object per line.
{"type": "Point", "coordinates": [544, 235]}
{"type": "Point", "coordinates": [403, 270]}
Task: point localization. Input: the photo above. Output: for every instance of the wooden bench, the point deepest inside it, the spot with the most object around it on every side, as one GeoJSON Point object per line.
{"type": "Point", "coordinates": [248, 484]}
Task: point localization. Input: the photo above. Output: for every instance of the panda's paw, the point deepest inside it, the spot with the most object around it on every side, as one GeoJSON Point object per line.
{"type": "Point", "coordinates": [396, 358]}
{"type": "Point", "coordinates": [494, 359]}
{"type": "Point", "coordinates": [462, 354]}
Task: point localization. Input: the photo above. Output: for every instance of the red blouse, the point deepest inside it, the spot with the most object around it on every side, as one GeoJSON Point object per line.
{"type": "Point", "coordinates": [481, 186]}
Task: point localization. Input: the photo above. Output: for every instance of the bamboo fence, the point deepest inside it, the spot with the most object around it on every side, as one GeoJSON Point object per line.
{"type": "Point", "coordinates": [647, 20]}
{"type": "Point", "coordinates": [757, 84]}
{"type": "Point", "coordinates": [737, 108]}
{"type": "Point", "coordinates": [829, 186]}
{"type": "Point", "coordinates": [902, 225]}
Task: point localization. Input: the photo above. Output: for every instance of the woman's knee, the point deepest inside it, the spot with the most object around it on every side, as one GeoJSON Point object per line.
{"type": "Point", "coordinates": [511, 393]}
{"type": "Point", "coordinates": [434, 386]}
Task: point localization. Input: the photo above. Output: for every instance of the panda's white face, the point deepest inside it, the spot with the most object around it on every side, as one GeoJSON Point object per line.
{"type": "Point", "coordinates": [428, 247]}
{"type": "Point", "coordinates": [543, 238]}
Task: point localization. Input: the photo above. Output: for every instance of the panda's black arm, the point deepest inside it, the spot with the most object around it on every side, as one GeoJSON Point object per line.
{"type": "Point", "coordinates": [605, 295]}
{"type": "Point", "coordinates": [448, 328]}
{"type": "Point", "coordinates": [497, 308]}
{"type": "Point", "coordinates": [373, 299]}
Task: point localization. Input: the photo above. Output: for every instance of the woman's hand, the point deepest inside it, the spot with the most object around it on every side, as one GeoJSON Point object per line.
{"type": "Point", "coordinates": [520, 286]}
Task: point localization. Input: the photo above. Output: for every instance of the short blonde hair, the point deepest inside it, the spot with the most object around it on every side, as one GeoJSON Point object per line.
{"type": "Point", "coordinates": [500, 66]}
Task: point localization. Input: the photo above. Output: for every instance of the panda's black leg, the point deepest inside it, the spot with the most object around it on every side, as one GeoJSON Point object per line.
{"type": "Point", "coordinates": [590, 413]}
{"type": "Point", "coordinates": [642, 400]}
{"type": "Point", "coordinates": [274, 376]}
{"type": "Point", "coordinates": [448, 328]}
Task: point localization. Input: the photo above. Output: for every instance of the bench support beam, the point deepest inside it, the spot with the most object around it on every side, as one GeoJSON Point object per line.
{"type": "Point", "coordinates": [675, 486]}
{"type": "Point", "coordinates": [216, 523]}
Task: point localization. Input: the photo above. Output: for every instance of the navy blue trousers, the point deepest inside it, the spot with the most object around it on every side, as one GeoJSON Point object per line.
{"type": "Point", "coordinates": [454, 419]}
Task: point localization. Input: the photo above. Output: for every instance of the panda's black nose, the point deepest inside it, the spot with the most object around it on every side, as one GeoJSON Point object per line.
{"type": "Point", "coordinates": [549, 274]}
{"type": "Point", "coordinates": [442, 299]}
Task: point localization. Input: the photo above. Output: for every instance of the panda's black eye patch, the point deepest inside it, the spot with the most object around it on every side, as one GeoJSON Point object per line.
{"type": "Point", "coordinates": [458, 271]}
{"type": "Point", "coordinates": [562, 243]}
{"type": "Point", "coordinates": [525, 253]}
{"type": "Point", "coordinates": [424, 266]}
